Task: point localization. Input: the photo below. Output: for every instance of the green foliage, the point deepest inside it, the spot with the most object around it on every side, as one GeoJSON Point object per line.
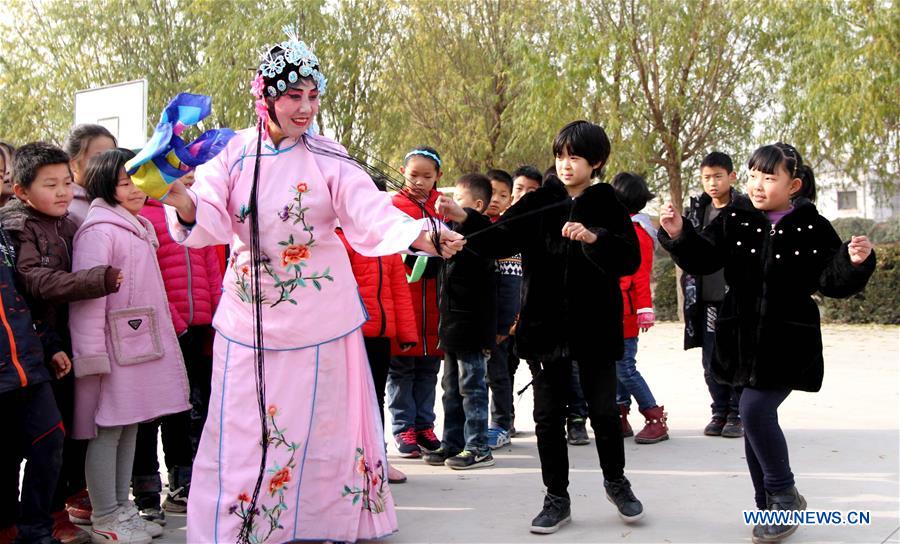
{"type": "Point", "coordinates": [840, 97]}
{"type": "Point", "coordinates": [489, 82]}
{"type": "Point", "coordinates": [665, 295]}
{"type": "Point", "coordinates": [880, 302]}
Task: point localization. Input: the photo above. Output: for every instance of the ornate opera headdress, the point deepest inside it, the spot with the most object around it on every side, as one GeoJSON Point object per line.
{"type": "Point", "coordinates": [281, 67]}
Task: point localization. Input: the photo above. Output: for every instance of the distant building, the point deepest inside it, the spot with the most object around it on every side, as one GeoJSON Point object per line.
{"type": "Point", "coordinates": [838, 196]}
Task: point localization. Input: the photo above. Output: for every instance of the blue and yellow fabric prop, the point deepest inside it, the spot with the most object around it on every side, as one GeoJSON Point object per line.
{"type": "Point", "coordinates": [166, 157]}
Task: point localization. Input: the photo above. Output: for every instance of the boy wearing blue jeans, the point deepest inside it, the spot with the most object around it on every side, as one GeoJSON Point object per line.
{"type": "Point", "coordinates": [467, 301]}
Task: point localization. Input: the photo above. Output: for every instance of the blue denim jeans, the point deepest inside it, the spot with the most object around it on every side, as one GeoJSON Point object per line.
{"type": "Point", "coordinates": [500, 383]}
{"type": "Point", "coordinates": [631, 383]}
{"type": "Point", "coordinates": [465, 402]}
{"type": "Point", "coordinates": [411, 390]}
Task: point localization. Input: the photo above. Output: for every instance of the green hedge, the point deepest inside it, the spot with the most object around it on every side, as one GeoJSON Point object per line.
{"type": "Point", "coordinates": [665, 297]}
{"type": "Point", "coordinates": [886, 232]}
{"type": "Point", "coordinates": [879, 303]}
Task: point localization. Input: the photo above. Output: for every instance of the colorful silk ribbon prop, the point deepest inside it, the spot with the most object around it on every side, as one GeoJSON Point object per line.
{"type": "Point", "coordinates": [166, 157]}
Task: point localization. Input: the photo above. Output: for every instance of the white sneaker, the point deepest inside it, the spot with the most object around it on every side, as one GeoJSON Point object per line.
{"type": "Point", "coordinates": [119, 528]}
{"type": "Point", "coordinates": [149, 527]}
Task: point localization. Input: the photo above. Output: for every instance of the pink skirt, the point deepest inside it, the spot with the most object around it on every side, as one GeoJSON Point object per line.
{"type": "Point", "coordinates": [326, 473]}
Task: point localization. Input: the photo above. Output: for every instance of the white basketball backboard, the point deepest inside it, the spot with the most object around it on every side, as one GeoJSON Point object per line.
{"type": "Point", "coordinates": [121, 108]}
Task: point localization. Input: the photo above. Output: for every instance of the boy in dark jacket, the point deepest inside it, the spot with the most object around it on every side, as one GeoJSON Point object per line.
{"type": "Point", "coordinates": [703, 294]}
{"type": "Point", "coordinates": [467, 301]}
{"type": "Point", "coordinates": [509, 294]}
{"type": "Point", "coordinates": [42, 236]}
{"type": "Point", "coordinates": [34, 428]}
{"type": "Point", "coordinates": [576, 242]}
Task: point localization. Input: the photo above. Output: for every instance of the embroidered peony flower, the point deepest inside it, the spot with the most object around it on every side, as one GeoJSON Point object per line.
{"type": "Point", "coordinates": [273, 410]}
{"type": "Point", "coordinates": [374, 481]}
{"type": "Point", "coordinates": [361, 465]}
{"type": "Point", "coordinates": [279, 480]}
{"type": "Point", "coordinates": [294, 254]}
{"type": "Point", "coordinates": [244, 497]}
{"type": "Point", "coordinates": [245, 270]}
{"type": "Point", "coordinates": [302, 187]}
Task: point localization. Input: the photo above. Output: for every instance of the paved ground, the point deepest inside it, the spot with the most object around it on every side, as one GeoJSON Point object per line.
{"type": "Point", "coordinates": [844, 445]}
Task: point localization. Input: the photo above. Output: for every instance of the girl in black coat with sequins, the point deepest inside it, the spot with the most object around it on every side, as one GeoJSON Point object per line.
{"type": "Point", "coordinates": [768, 337]}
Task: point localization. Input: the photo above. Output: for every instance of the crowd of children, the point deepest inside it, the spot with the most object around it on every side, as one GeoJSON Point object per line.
{"type": "Point", "coordinates": [108, 336]}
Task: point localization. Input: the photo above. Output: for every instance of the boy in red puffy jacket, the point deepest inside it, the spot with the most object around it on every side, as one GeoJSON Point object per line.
{"type": "Point", "coordinates": [385, 293]}
{"type": "Point", "coordinates": [632, 192]}
{"type": "Point", "coordinates": [193, 279]}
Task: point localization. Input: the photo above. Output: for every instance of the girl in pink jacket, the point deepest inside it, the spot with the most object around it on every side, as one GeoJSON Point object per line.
{"type": "Point", "coordinates": [193, 280]}
{"type": "Point", "coordinates": [127, 361]}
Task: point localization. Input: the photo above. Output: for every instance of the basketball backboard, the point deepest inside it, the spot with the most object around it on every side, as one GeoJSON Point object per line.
{"type": "Point", "coordinates": [121, 108]}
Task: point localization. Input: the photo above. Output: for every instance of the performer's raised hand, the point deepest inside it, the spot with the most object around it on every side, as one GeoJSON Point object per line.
{"type": "Point", "coordinates": [671, 221]}
{"type": "Point", "coordinates": [451, 243]}
{"type": "Point", "coordinates": [179, 199]}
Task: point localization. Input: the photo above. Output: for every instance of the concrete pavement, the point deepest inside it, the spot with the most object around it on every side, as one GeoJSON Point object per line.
{"type": "Point", "coordinates": [844, 444]}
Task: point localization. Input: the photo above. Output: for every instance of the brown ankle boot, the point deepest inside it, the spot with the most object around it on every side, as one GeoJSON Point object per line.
{"type": "Point", "coordinates": [624, 410]}
{"type": "Point", "coordinates": [655, 429]}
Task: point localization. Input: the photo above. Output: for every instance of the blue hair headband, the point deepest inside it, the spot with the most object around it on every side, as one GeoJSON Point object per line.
{"type": "Point", "coordinates": [424, 153]}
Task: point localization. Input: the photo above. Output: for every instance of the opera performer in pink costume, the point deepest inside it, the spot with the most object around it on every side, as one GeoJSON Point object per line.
{"type": "Point", "coordinates": [292, 448]}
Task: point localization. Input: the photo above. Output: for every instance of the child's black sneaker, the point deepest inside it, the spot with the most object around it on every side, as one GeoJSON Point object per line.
{"type": "Point", "coordinates": [715, 426]}
{"type": "Point", "coordinates": [437, 457]}
{"type": "Point", "coordinates": [576, 432]}
{"type": "Point", "coordinates": [789, 499]}
{"type": "Point", "coordinates": [733, 427]}
{"type": "Point", "coordinates": [555, 514]}
{"type": "Point", "coordinates": [469, 459]}
{"type": "Point", "coordinates": [406, 443]}
{"type": "Point", "coordinates": [619, 493]}
{"type": "Point", "coordinates": [427, 440]}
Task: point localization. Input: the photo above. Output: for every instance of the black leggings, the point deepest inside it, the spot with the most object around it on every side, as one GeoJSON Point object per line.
{"type": "Point", "coordinates": [766, 448]}
{"type": "Point", "coordinates": [379, 352]}
{"type": "Point", "coordinates": [552, 387]}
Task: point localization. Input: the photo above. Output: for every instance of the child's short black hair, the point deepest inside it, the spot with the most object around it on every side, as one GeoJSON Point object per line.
{"type": "Point", "coordinates": [81, 137]}
{"type": "Point", "coordinates": [769, 157]}
{"type": "Point", "coordinates": [530, 172]}
{"type": "Point", "coordinates": [585, 140]}
{"type": "Point", "coordinates": [717, 159]}
{"type": "Point", "coordinates": [477, 184]}
{"type": "Point", "coordinates": [495, 174]}
{"type": "Point", "coordinates": [632, 191]}
{"type": "Point", "coordinates": [30, 158]}
{"type": "Point", "coordinates": [102, 174]}
{"type": "Point", "coordinates": [427, 152]}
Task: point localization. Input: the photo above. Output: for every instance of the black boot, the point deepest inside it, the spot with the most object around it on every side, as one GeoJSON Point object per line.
{"type": "Point", "coordinates": [788, 499]}
{"type": "Point", "coordinates": [555, 514]}
{"type": "Point", "coordinates": [619, 493]}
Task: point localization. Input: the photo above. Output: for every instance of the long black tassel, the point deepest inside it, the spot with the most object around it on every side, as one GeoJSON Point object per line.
{"type": "Point", "coordinates": [258, 342]}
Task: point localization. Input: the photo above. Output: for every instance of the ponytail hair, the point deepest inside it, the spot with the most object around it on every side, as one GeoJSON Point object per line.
{"type": "Point", "coordinates": [808, 188]}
